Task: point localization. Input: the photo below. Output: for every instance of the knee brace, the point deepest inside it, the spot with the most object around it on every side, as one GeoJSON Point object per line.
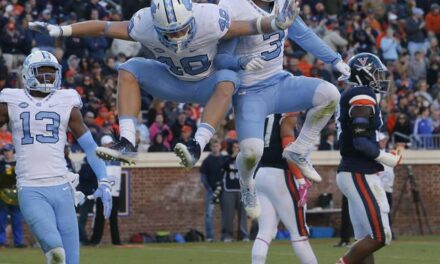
{"type": "Point", "coordinates": [56, 256]}
{"type": "Point", "coordinates": [251, 151]}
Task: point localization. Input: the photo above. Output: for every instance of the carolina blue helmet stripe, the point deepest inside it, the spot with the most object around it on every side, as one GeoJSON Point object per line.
{"type": "Point", "coordinates": [169, 11]}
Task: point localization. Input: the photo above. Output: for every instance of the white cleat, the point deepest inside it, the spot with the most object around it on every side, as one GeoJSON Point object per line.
{"type": "Point", "coordinates": [250, 200]}
{"type": "Point", "coordinates": [303, 163]}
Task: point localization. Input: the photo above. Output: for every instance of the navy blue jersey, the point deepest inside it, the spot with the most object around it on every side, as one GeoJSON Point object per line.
{"type": "Point", "coordinates": [352, 159]}
{"type": "Point", "coordinates": [231, 180]}
{"type": "Point", "coordinates": [273, 148]}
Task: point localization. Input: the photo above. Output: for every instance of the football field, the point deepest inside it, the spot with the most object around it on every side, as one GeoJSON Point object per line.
{"type": "Point", "coordinates": [405, 250]}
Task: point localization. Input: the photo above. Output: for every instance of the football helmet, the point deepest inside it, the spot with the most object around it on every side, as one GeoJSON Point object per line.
{"type": "Point", "coordinates": [174, 22]}
{"type": "Point", "coordinates": [368, 70]}
{"type": "Point", "coordinates": [37, 79]}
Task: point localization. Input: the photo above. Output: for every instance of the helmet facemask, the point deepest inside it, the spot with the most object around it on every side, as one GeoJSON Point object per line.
{"type": "Point", "coordinates": [43, 77]}
{"type": "Point", "coordinates": [179, 38]}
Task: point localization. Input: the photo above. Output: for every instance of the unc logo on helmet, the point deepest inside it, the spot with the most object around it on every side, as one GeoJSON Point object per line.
{"type": "Point", "coordinates": [174, 22]}
{"type": "Point", "coordinates": [41, 72]}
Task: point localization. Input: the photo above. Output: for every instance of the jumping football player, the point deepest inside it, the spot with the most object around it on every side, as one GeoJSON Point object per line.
{"type": "Point", "coordinates": [272, 90]}
{"type": "Point", "coordinates": [183, 36]}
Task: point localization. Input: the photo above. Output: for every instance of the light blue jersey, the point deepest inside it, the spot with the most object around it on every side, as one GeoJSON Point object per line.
{"type": "Point", "coordinates": [195, 62]}
{"type": "Point", "coordinates": [187, 76]}
{"type": "Point", "coordinates": [39, 127]}
{"type": "Point", "coordinates": [272, 90]}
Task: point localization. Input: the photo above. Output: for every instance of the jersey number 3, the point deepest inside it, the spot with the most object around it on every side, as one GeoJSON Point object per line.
{"type": "Point", "coordinates": [53, 128]}
{"type": "Point", "coordinates": [277, 42]}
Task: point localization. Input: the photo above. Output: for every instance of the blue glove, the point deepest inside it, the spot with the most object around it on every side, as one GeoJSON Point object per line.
{"type": "Point", "coordinates": [104, 192]}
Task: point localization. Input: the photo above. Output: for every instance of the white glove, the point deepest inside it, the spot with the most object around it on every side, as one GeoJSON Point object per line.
{"type": "Point", "coordinates": [51, 30]}
{"type": "Point", "coordinates": [389, 159]}
{"type": "Point", "coordinates": [344, 69]}
{"type": "Point", "coordinates": [285, 16]}
{"type": "Point", "coordinates": [104, 192]}
{"type": "Point", "coordinates": [251, 63]}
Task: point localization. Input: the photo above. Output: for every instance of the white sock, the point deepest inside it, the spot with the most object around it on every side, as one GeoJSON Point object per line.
{"type": "Point", "coordinates": [127, 127]}
{"type": "Point", "coordinates": [326, 99]}
{"type": "Point", "coordinates": [204, 134]}
{"type": "Point", "coordinates": [303, 250]}
{"type": "Point", "coordinates": [259, 251]}
{"type": "Point", "coordinates": [251, 150]}
{"type": "Point", "coordinates": [56, 256]}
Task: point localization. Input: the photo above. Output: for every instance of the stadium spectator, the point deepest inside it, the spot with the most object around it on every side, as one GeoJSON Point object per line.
{"type": "Point", "coordinates": [432, 20]}
{"type": "Point", "coordinates": [158, 144]}
{"type": "Point", "coordinates": [390, 46]}
{"type": "Point", "coordinates": [231, 197]}
{"type": "Point", "coordinates": [8, 199]}
{"type": "Point", "coordinates": [114, 171]}
{"type": "Point", "coordinates": [423, 129]}
{"type": "Point", "coordinates": [185, 135]}
{"type": "Point", "coordinates": [87, 185]}
{"type": "Point", "coordinates": [159, 127]}
{"type": "Point", "coordinates": [417, 67]}
{"type": "Point", "coordinates": [211, 178]}
{"type": "Point", "coordinates": [402, 129]}
{"type": "Point", "coordinates": [5, 136]}
{"type": "Point", "coordinates": [414, 27]}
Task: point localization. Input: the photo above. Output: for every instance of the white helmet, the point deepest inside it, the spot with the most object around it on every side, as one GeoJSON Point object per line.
{"type": "Point", "coordinates": [174, 22]}
{"type": "Point", "coordinates": [43, 82]}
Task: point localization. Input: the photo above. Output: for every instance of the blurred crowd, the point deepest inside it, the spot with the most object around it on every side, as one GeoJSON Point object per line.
{"type": "Point", "coordinates": [404, 33]}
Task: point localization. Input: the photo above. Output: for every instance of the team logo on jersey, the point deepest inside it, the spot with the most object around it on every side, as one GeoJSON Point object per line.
{"type": "Point", "coordinates": [23, 105]}
{"type": "Point", "coordinates": [159, 50]}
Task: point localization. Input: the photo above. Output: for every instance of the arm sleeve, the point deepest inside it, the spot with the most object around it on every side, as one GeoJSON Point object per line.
{"type": "Point", "coordinates": [89, 146]}
{"type": "Point", "coordinates": [309, 41]}
{"type": "Point", "coordinates": [360, 141]}
{"type": "Point", "coordinates": [225, 58]}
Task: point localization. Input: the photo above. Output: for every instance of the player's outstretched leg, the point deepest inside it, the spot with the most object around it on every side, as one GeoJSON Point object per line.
{"type": "Point", "coordinates": [251, 151]}
{"type": "Point", "coordinates": [129, 105]}
{"type": "Point", "coordinates": [213, 114]}
{"type": "Point", "coordinates": [325, 101]}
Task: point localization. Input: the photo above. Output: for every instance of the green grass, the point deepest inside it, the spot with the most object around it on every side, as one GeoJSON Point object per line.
{"type": "Point", "coordinates": [424, 250]}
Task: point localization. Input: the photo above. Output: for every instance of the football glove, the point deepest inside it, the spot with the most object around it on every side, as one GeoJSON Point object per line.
{"type": "Point", "coordinates": [104, 192]}
{"type": "Point", "coordinates": [285, 16]}
{"type": "Point", "coordinates": [51, 30]}
{"type": "Point", "coordinates": [251, 63]}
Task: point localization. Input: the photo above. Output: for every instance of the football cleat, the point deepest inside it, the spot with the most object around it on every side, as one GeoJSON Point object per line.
{"type": "Point", "coordinates": [250, 200]}
{"type": "Point", "coordinates": [303, 163]}
{"type": "Point", "coordinates": [122, 151]}
{"type": "Point", "coordinates": [188, 154]}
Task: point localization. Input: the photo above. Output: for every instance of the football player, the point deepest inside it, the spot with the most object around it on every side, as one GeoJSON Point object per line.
{"type": "Point", "coordinates": [358, 121]}
{"type": "Point", "coordinates": [39, 117]}
{"type": "Point", "coordinates": [183, 36]}
{"type": "Point", "coordinates": [282, 192]}
{"type": "Point", "coordinates": [272, 90]}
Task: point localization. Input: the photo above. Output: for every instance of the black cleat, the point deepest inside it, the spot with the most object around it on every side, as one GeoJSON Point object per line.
{"type": "Point", "coordinates": [122, 151]}
{"type": "Point", "coordinates": [188, 154]}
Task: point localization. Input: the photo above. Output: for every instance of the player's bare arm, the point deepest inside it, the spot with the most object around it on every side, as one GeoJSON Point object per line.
{"type": "Point", "coordinates": [92, 28]}
{"type": "Point", "coordinates": [263, 25]}
{"type": "Point", "coordinates": [76, 123]}
{"type": "Point", "coordinates": [4, 117]}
